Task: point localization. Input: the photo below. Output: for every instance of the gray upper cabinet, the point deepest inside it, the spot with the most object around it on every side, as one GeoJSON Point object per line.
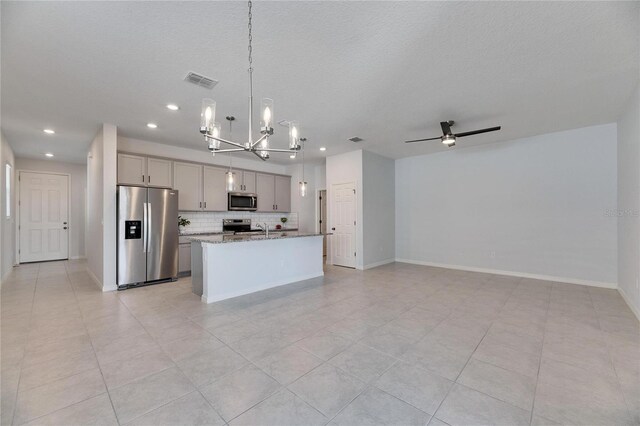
{"type": "Point", "coordinates": [203, 187]}
{"type": "Point", "coordinates": [274, 193]}
{"type": "Point", "coordinates": [248, 182]}
{"type": "Point", "coordinates": [132, 170]}
{"type": "Point", "coordinates": [144, 171]}
{"type": "Point", "coordinates": [283, 193]}
{"type": "Point", "coordinates": [159, 172]}
{"type": "Point", "coordinates": [188, 181]}
{"type": "Point", "coordinates": [265, 188]}
{"type": "Point", "coordinates": [215, 191]}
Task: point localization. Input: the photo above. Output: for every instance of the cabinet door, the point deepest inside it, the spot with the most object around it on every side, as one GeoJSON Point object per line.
{"type": "Point", "coordinates": [159, 172]}
{"type": "Point", "coordinates": [215, 189]}
{"type": "Point", "coordinates": [188, 181]}
{"type": "Point", "coordinates": [184, 258]}
{"type": "Point", "coordinates": [283, 193]}
{"type": "Point", "coordinates": [265, 188]}
{"type": "Point", "coordinates": [132, 169]}
{"type": "Point", "coordinates": [249, 182]}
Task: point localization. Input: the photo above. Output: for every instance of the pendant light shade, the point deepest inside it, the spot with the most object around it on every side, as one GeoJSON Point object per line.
{"type": "Point", "coordinates": [303, 188]}
{"type": "Point", "coordinates": [207, 116]}
{"type": "Point", "coordinates": [266, 119]}
{"type": "Point", "coordinates": [231, 181]}
{"type": "Point", "coordinates": [294, 135]}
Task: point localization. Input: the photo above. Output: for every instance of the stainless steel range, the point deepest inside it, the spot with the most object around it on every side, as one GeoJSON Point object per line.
{"type": "Point", "coordinates": [239, 227]}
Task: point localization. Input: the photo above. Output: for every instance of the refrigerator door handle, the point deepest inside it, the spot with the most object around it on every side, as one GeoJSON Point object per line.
{"type": "Point", "coordinates": [149, 227]}
{"type": "Point", "coordinates": [145, 227]}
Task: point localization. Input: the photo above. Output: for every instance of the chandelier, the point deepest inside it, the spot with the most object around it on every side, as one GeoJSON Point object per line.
{"type": "Point", "coordinates": [260, 147]}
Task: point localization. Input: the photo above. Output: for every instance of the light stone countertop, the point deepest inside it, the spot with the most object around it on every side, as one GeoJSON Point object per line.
{"type": "Point", "coordinates": [273, 235]}
{"type": "Point", "coordinates": [199, 234]}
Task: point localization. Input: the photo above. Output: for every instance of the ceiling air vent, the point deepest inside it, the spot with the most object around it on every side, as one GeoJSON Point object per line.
{"type": "Point", "coordinates": [201, 80]}
{"type": "Point", "coordinates": [356, 139]}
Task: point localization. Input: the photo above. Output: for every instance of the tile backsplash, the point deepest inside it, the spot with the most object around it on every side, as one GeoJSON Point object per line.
{"type": "Point", "coordinates": [212, 221]}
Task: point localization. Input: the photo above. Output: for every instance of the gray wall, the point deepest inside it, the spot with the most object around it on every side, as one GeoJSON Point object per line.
{"type": "Point", "coordinates": [378, 176]}
{"type": "Point", "coordinates": [629, 202]}
{"type": "Point", "coordinates": [78, 178]}
{"type": "Point", "coordinates": [7, 225]}
{"type": "Point", "coordinates": [537, 206]}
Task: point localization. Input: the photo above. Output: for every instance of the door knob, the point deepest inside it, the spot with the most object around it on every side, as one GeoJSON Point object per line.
{"type": "Point", "coordinates": [64, 227]}
{"type": "Point", "coordinates": [64, 223]}
{"type": "Point", "coordinates": [333, 229]}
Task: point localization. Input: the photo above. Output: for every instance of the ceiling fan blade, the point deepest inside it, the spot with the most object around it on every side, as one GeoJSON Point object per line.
{"type": "Point", "coordinates": [475, 132]}
{"type": "Point", "coordinates": [422, 140]}
{"type": "Point", "coordinates": [446, 128]}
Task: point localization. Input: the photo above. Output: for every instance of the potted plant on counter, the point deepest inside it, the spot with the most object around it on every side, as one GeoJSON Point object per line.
{"type": "Point", "coordinates": [182, 223]}
{"type": "Point", "coordinates": [284, 221]}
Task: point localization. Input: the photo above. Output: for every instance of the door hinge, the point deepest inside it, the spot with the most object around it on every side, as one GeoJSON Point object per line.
{"type": "Point", "coordinates": [354, 222]}
{"type": "Point", "coordinates": [354, 254]}
{"type": "Point", "coordinates": [354, 191]}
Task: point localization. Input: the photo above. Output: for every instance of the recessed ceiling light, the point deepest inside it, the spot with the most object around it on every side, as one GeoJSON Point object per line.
{"type": "Point", "coordinates": [49, 131]}
{"type": "Point", "coordinates": [173, 107]}
{"type": "Point", "coordinates": [48, 154]}
{"type": "Point", "coordinates": [152, 125]}
{"type": "Point", "coordinates": [322, 148]}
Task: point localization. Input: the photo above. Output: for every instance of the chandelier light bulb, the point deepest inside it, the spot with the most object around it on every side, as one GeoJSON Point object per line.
{"type": "Point", "coordinates": [208, 115]}
{"type": "Point", "coordinates": [294, 139]}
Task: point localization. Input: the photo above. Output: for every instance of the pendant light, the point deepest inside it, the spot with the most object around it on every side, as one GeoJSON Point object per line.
{"type": "Point", "coordinates": [230, 175]}
{"type": "Point", "coordinates": [259, 147]}
{"type": "Point", "coordinates": [303, 183]}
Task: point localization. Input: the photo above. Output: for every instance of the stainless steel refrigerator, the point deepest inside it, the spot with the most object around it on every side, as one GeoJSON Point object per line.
{"type": "Point", "coordinates": [147, 235]}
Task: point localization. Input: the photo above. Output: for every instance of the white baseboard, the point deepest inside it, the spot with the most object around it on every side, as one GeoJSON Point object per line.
{"type": "Point", "coordinates": [627, 299]}
{"type": "Point", "coordinates": [513, 274]}
{"type": "Point", "coordinates": [273, 284]}
{"type": "Point", "coordinates": [375, 264]}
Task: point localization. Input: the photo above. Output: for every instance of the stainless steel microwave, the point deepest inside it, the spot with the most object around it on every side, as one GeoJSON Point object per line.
{"type": "Point", "coordinates": [242, 201]}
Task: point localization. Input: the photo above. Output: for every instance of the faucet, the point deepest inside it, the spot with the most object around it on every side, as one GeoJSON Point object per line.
{"type": "Point", "coordinates": [264, 227]}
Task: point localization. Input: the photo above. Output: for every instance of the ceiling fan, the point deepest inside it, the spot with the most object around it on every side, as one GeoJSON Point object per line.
{"type": "Point", "coordinates": [448, 138]}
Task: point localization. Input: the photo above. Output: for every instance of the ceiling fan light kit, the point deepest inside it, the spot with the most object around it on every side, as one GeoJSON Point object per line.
{"type": "Point", "coordinates": [260, 147]}
{"type": "Point", "coordinates": [448, 138]}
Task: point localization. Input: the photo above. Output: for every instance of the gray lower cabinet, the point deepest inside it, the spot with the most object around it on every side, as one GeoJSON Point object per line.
{"type": "Point", "coordinates": [184, 258]}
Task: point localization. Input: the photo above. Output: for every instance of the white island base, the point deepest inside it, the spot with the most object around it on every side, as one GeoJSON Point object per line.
{"type": "Point", "coordinates": [236, 268]}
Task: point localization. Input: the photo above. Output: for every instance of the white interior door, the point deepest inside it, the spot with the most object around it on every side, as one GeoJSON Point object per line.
{"type": "Point", "coordinates": [343, 224]}
{"type": "Point", "coordinates": [44, 217]}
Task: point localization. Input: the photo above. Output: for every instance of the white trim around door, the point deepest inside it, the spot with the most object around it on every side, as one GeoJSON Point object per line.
{"type": "Point", "coordinates": [52, 224]}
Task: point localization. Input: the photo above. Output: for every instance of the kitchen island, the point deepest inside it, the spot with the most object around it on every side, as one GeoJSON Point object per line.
{"type": "Point", "coordinates": [226, 266]}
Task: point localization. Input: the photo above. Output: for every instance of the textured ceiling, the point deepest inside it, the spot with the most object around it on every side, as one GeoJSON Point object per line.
{"type": "Point", "coordinates": [384, 71]}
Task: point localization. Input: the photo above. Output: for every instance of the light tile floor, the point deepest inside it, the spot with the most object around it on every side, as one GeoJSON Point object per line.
{"type": "Point", "coordinates": [399, 344]}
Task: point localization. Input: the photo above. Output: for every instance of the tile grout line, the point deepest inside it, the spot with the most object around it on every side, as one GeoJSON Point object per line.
{"type": "Point", "coordinates": [455, 381]}
{"type": "Point", "coordinates": [610, 356]}
{"type": "Point", "coordinates": [75, 295]}
{"type": "Point", "coordinates": [15, 408]}
{"type": "Point", "coordinates": [544, 335]}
